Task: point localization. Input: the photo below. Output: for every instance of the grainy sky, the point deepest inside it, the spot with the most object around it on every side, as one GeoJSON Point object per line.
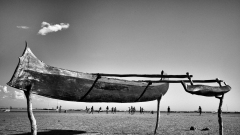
{"type": "Point", "coordinates": [122, 36]}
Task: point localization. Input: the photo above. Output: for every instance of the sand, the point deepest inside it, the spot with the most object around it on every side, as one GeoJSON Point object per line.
{"type": "Point", "coordinates": [121, 123]}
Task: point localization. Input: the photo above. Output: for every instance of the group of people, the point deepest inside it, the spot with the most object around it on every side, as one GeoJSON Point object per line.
{"type": "Point", "coordinates": [91, 110]}
{"type": "Point", "coordinates": [131, 110]}
{"type": "Point", "coordinates": [199, 110]}
{"type": "Point", "coordinates": [59, 109]}
{"type": "Point", "coordinates": [113, 110]}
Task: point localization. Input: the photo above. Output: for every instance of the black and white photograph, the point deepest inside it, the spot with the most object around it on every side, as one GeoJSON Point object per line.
{"type": "Point", "coordinates": [119, 67]}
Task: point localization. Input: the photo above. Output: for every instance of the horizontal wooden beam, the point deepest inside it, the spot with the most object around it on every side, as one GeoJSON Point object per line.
{"type": "Point", "coordinates": [144, 75]}
{"type": "Point", "coordinates": [179, 81]}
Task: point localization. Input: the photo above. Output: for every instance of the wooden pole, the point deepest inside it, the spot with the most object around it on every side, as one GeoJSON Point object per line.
{"type": "Point", "coordinates": [31, 117]}
{"type": "Point", "coordinates": [144, 75]}
{"type": "Point", "coordinates": [220, 122]}
{"type": "Point", "coordinates": [179, 81]}
{"type": "Point", "coordinates": [158, 113]}
{"type": "Point", "coordinates": [220, 110]}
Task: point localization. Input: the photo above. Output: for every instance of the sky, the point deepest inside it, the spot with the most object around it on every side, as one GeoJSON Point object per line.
{"type": "Point", "coordinates": [125, 37]}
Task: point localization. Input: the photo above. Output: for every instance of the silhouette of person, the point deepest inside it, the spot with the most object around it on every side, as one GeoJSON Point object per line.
{"type": "Point", "coordinates": [99, 109]}
{"type": "Point", "coordinates": [107, 110]}
{"type": "Point", "coordinates": [115, 109]}
{"type": "Point", "coordinates": [168, 110]}
{"type": "Point", "coordinates": [60, 109]}
{"type": "Point", "coordinates": [92, 110]}
{"type": "Point", "coordinates": [200, 110]}
{"type": "Point", "coordinates": [87, 109]}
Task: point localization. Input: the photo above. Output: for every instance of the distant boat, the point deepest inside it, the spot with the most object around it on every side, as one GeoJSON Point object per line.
{"type": "Point", "coordinates": [6, 110]}
{"type": "Point", "coordinates": [70, 85]}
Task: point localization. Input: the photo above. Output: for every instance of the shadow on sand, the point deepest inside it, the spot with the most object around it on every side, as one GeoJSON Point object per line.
{"type": "Point", "coordinates": [59, 132]}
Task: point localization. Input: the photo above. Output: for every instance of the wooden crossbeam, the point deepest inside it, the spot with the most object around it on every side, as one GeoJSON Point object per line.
{"type": "Point", "coordinates": [179, 81]}
{"type": "Point", "coordinates": [143, 75]}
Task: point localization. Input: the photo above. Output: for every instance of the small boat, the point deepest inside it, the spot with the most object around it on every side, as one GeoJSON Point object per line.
{"type": "Point", "coordinates": [6, 110]}
{"type": "Point", "coordinates": [205, 90]}
{"type": "Point", "coordinates": [70, 85]}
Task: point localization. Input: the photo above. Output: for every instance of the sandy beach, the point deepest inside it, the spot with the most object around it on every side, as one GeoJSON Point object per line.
{"type": "Point", "coordinates": [73, 123]}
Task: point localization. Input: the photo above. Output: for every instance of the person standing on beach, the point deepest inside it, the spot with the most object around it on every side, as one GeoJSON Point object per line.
{"type": "Point", "coordinates": [60, 109]}
{"type": "Point", "coordinates": [142, 110]}
{"type": "Point", "coordinates": [107, 110]}
{"type": "Point", "coordinates": [200, 110]}
{"type": "Point", "coordinates": [115, 110]}
{"type": "Point", "coordinates": [168, 110]}
{"type": "Point", "coordinates": [92, 110]}
{"type": "Point", "coordinates": [99, 109]}
{"type": "Point", "coordinates": [87, 109]}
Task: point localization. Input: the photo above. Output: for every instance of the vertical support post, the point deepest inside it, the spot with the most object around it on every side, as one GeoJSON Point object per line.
{"type": "Point", "coordinates": [220, 122]}
{"type": "Point", "coordinates": [220, 115]}
{"type": "Point", "coordinates": [158, 113]}
{"type": "Point", "coordinates": [189, 78]}
{"type": "Point", "coordinates": [220, 110]}
{"type": "Point", "coordinates": [31, 117]}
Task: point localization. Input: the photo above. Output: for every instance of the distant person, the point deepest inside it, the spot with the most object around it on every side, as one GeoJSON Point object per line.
{"type": "Point", "coordinates": [168, 110]}
{"type": "Point", "coordinates": [99, 109]}
{"type": "Point", "coordinates": [92, 110]}
{"type": "Point", "coordinates": [60, 109]}
{"type": "Point", "coordinates": [115, 110]}
{"type": "Point", "coordinates": [107, 110]}
{"type": "Point", "coordinates": [112, 110]}
{"type": "Point", "coordinates": [133, 110]}
{"type": "Point", "coordinates": [129, 110]}
{"type": "Point", "coordinates": [87, 109]}
{"type": "Point", "coordinates": [200, 110]}
{"type": "Point", "coordinates": [142, 110]}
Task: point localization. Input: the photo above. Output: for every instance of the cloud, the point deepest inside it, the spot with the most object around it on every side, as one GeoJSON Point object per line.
{"type": "Point", "coordinates": [6, 94]}
{"type": "Point", "coordinates": [23, 27]}
{"type": "Point", "coordinates": [18, 95]}
{"type": "Point", "coordinates": [4, 89]}
{"type": "Point", "coordinates": [48, 28]}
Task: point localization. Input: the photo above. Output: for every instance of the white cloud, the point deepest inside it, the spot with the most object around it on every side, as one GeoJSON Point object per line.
{"type": "Point", "coordinates": [12, 94]}
{"type": "Point", "coordinates": [18, 95]}
{"type": "Point", "coordinates": [4, 89]}
{"type": "Point", "coordinates": [23, 27]}
{"type": "Point", "coordinates": [4, 93]}
{"type": "Point", "coordinates": [47, 28]}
